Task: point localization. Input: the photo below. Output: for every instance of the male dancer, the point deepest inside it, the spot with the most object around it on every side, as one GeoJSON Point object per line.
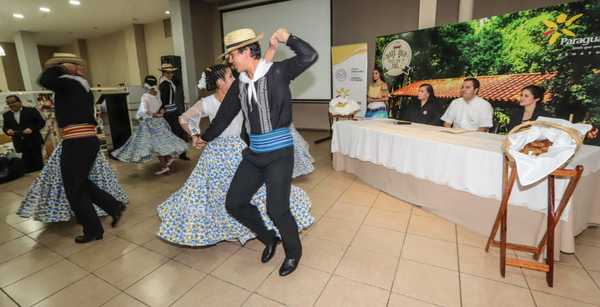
{"type": "Point", "coordinates": [262, 92]}
{"type": "Point", "coordinates": [74, 108]}
{"type": "Point", "coordinates": [168, 91]}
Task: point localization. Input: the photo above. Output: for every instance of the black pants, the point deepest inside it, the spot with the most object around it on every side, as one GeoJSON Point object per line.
{"type": "Point", "coordinates": [275, 170]}
{"type": "Point", "coordinates": [173, 119]}
{"type": "Point", "coordinates": [76, 161]}
{"type": "Point", "coordinates": [32, 159]}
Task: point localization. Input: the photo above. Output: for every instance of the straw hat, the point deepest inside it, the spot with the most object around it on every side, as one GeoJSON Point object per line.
{"type": "Point", "coordinates": [240, 38]}
{"type": "Point", "coordinates": [60, 58]}
{"type": "Point", "coordinates": [167, 67]}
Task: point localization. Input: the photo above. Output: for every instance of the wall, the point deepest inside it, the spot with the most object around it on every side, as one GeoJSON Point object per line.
{"type": "Point", "coordinates": [45, 53]}
{"type": "Point", "coordinates": [206, 22]}
{"type": "Point", "coordinates": [12, 70]}
{"type": "Point", "coordinates": [107, 59]}
{"type": "Point", "coordinates": [157, 45]}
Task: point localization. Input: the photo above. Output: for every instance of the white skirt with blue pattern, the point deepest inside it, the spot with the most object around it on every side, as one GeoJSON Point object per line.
{"type": "Point", "coordinates": [303, 161]}
{"type": "Point", "coordinates": [195, 215]}
{"type": "Point", "coordinates": [46, 200]}
{"type": "Point", "coordinates": [152, 136]}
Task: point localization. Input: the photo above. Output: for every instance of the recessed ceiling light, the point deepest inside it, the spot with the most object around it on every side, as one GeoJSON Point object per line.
{"type": "Point", "coordinates": [74, 2]}
{"type": "Point", "coordinates": [45, 9]}
{"type": "Point", "coordinates": [168, 12]}
{"type": "Point", "coordinates": [18, 16]}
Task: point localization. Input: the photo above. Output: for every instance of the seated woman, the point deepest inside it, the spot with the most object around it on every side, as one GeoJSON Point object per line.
{"type": "Point", "coordinates": [530, 107]}
{"type": "Point", "coordinates": [424, 109]}
{"type": "Point", "coordinates": [195, 215]}
{"type": "Point", "coordinates": [377, 97]}
{"type": "Point", "coordinates": [153, 136]}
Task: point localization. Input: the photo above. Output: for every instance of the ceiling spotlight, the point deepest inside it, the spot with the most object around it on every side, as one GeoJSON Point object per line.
{"type": "Point", "coordinates": [74, 2]}
{"type": "Point", "coordinates": [168, 12]}
{"type": "Point", "coordinates": [45, 9]}
{"type": "Point", "coordinates": [18, 16]}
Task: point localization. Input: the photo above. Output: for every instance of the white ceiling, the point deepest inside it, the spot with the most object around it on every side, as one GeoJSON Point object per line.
{"type": "Point", "coordinates": [67, 22]}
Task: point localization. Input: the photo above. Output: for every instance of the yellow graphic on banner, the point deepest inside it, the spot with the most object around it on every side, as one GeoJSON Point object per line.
{"type": "Point", "coordinates": [561, 26]}
{"type": "Point", "coordinates": [342, 53]}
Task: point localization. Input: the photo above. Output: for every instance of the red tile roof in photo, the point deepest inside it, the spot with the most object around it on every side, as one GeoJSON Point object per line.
{"type": "Point", "coordinates": [494, 88]}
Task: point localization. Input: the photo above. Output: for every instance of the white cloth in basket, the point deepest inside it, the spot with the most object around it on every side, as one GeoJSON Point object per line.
{"type": "Point", "coordinates": [343, 106]}
{"type": "Point", "coordinates": [534, 168]}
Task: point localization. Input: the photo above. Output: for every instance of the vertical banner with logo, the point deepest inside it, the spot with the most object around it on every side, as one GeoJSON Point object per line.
{"type": "Point", "coordinates": [350, 73]}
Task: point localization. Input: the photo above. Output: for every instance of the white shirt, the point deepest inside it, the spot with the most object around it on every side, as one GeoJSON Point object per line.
{"type": "Point", "coordinates": [472, 115]}
{"type": "Point", "coordinates": [17, 116]}
{"type": "Point", "coordinates": [149, 105]}
{"type": "Point", "coordinates": [208, 106]}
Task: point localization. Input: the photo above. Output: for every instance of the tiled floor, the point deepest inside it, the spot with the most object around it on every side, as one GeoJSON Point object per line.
{"type": "Point", "coordinates": [366, 249]}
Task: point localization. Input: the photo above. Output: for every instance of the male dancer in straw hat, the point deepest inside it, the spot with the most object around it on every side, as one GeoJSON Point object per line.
{"type": "Point", "coordinates": [74, 108]}
{"type": "Point", "coordinates": [262, 93]}
{"type": "Point", "coordinates": [167, 91]}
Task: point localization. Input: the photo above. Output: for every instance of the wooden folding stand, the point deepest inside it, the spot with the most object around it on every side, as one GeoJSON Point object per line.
{"type": "Point", "coordinates": [508, 181]}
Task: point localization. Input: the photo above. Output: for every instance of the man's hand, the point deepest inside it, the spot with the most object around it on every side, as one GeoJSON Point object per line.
{"type": "Point", "coordinates": [198, 142]}
{"type": "Point", "coordinates": [10, 132]}
{"type": "Point", "coordinates": [27, 131]}
{"type": "Point", "coordinates": [280, 36]}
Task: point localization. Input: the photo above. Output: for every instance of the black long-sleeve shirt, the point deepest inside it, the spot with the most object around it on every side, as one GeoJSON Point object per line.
{"type": "Point", "coordinates": [74, 103]}
{"type": "Point", "coordinates": [278, 95]}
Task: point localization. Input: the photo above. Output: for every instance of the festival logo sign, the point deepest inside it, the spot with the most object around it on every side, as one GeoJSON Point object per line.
{"type": "Point", "coordinates": [396, 57]}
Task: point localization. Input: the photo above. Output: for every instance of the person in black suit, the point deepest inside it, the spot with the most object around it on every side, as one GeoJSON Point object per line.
{"type": "Point", "coordinates": [424, 109]}
{"type": "Point", "coordinates": [23, 125]}
{"type": "Point", "coordinates": [74, 108]}
{"type": "Point", "coordinates": [530, 107]}
{"type": "Point", "coordinates": [168, 95]}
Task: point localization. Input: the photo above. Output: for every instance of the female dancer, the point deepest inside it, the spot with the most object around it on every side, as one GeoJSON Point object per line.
{"type": "Point", "coordinates": [153, 135]}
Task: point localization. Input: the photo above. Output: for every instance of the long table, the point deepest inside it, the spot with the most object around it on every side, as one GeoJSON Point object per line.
{"type": "Point", "coordinates": [459, 177]}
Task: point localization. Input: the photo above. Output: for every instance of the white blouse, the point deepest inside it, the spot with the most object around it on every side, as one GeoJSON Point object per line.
{"type": "Point", "coordinates": [208, 106]}
{"type": "Point", "coordinates": [149, 105]}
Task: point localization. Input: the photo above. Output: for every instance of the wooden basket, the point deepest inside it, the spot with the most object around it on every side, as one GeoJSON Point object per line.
{"type": "Point", "coordinates": [574, 134]}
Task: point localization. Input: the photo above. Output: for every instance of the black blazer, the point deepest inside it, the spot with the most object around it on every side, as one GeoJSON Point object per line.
{"type": "Point", "coordinates": [516, 115]}
{"type": "Point", "coordinates": [30, 118]}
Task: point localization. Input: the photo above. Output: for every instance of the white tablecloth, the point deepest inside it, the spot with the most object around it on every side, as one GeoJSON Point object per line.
{"type": "Point", "coordinates": [469, 162]}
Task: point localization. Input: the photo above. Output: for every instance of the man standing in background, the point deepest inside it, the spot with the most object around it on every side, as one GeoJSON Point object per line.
{"type": "Point", "coordinates": [167, 95]}
{"type": "Point", "coordinates": [23, 125]}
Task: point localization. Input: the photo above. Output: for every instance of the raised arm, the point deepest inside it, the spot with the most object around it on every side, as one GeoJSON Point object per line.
{"type": "Point", "coordinates": [50, 78]}
{"type": "Point", "coordinates": [229, 109]}
{"type": "Point", "coordinates": [306, 55]}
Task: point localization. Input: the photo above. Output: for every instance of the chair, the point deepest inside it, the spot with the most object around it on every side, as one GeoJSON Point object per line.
{"type": "Point", "coordinates": [509, 175]}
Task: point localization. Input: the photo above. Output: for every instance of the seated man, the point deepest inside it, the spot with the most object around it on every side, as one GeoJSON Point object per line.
{"type": "Point", "coordinates": [470, 111]}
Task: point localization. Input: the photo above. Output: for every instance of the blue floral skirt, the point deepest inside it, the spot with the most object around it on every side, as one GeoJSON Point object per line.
{"type": "Point", "coordinates": [195, 215]}
{"type": "Point", "coordinates": [303, 161]}
{"type": "Point", "coordinates": [46, 200]}
{"type": "Point", "coordinates": [152, 136]}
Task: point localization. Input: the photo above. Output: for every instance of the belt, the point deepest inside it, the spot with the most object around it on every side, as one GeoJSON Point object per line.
{"type": "Point", "coordinates": [271, 141]}
{"type": "Point", "coordinates": [78, 131]}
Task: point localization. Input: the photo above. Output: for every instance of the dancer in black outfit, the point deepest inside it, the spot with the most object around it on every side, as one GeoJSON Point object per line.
{"type": "Point", "coordinates": [168, 91]}
{"type": "Point", "coordinates": [262, 93]}
{"type": "Point", "coordinates": [74, 109]}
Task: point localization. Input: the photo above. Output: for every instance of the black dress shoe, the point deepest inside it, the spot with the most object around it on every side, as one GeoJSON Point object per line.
{"type": "Point", "coordinates": [269, 251]}
{"type": "Point", "coordinates": [86, 238]}
{"type": "Point", "coordinates": [117, 217]}
{"type": "Point", "coordinates": [288, 266]}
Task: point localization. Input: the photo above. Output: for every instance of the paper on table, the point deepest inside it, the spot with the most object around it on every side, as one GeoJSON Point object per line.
{"type": "Point", "coordinates": [454, 130]}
